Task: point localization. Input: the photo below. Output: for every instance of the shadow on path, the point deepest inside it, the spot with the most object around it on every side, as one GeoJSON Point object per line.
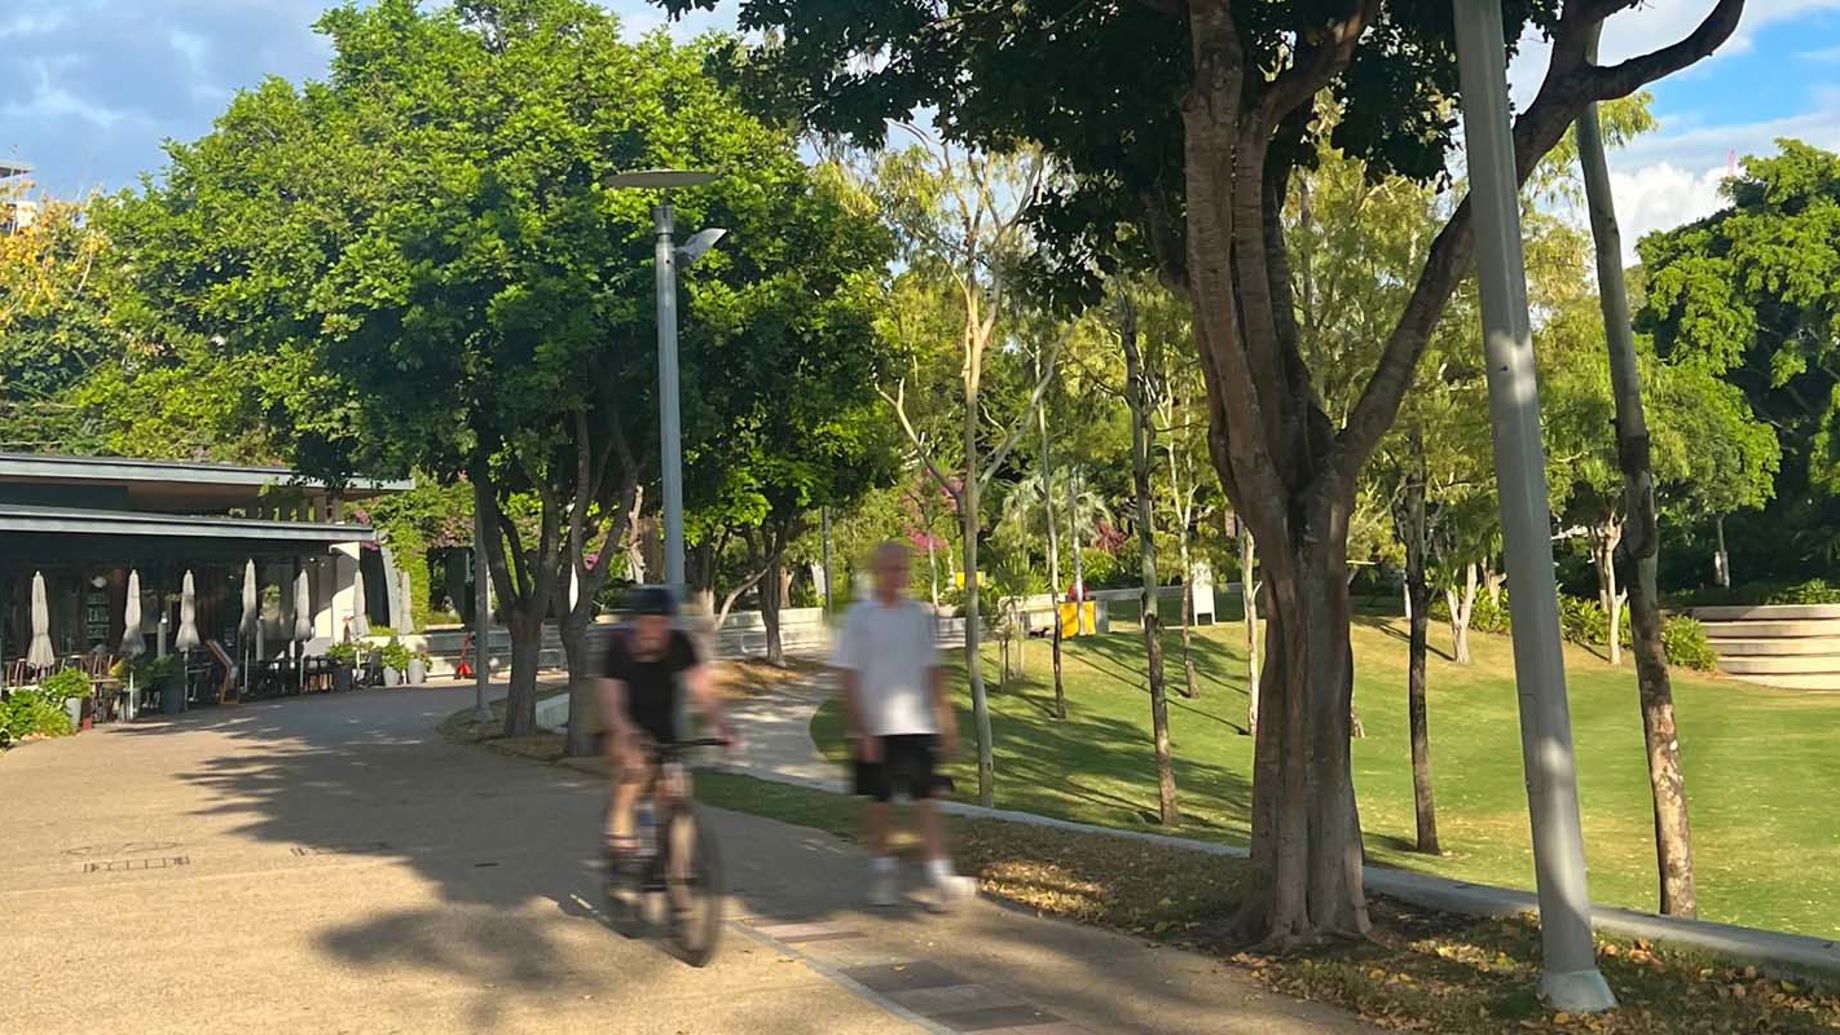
{"type": "Point", "coordinates": [509, 849]}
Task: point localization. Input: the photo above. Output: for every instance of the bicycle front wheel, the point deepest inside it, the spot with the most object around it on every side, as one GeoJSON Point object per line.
{"type": "Point", "coordinates": [695, 887]}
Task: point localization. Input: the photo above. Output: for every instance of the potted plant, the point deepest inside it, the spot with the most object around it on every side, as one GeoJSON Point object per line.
{"type": "Point", "coordinates": [70, 689]}
{"type": "Point", "coordinates": [344, 658]}
{"type": "Point", "coordinates": [395, 659]}
{"type": "Point", "coordinates": [418, 668]}
{"type": "Point", "coordinates": [166, 675]}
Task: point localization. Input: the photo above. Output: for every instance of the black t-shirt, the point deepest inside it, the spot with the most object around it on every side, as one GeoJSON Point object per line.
{"type": "Point", "coordinates": [651, 684]}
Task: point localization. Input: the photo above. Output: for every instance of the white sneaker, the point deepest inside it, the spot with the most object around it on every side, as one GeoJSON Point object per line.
{"type": "Point", "coordinates": [952, 890]}
{"type": "Point", "coordinates": [882, 890]}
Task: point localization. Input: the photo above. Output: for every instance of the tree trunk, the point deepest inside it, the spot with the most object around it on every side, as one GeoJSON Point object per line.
{"type": "Point", "coordinates": [1191, 684]}
{"type": "Point", "coordinates": [1673, 834]}
{"type": "Point", "coordinates": [773, 594]}
{"type": "Point", "coordinates": [1418, 595]}
{"type": "Point", "coordinates": [1462, 612]}
{"type": "Point", "coordinates": [1054, 557]}
{"type": "Point", "coordinates": [932, 568]}
{"type": "Point", "coordinates": [703, 558]}
{"type": "Point", "coordinates": [1249, 593]}
{"type": "Point", "coordinates": [525, 599]}
{"type": "Point", "coordinates": [583, 701]}
{"type": "Point", "coordinates": [1306, 882]}
{"type": "Point", "coordinates": [1142, 435]}
{"type": "Point", "coordinates": [1605, 537]}
{"type": "Point", "coordinates": [974, 667]}
{"type": "Point", "coordinates": [526, 653]}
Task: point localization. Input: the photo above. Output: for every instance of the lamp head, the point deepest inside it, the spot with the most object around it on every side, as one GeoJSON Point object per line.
{"type": "Point", "coordinates": [699, 244]}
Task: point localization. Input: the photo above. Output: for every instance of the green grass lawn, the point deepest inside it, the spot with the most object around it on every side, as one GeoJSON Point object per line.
{"type": "Point", "coordinates": [1763, 766]}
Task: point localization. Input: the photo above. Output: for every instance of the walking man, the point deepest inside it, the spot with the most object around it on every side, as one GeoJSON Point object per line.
{"type": "Point", "coordinates": [900, 722]}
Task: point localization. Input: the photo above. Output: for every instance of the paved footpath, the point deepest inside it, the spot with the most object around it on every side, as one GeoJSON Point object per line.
{"type": "Point", "coordinates": [331, 865]}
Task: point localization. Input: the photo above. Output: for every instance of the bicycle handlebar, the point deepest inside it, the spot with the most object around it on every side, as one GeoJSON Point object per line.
{"type": "Point", "coordinates": [678, 747]}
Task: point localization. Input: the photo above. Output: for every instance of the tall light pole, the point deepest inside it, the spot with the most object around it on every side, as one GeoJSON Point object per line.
{"type": "Point", "coordinates": [670, 428]}
{"type": "Point", "coordinates": [1570, 979]}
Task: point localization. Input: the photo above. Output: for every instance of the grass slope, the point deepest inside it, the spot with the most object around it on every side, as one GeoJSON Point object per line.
{"type": "Point", "coordinates": [1763, 766]}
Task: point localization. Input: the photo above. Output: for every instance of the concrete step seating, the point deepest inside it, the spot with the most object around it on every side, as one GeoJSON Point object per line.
{"type": "Point", "coordinates": [1792, 646]}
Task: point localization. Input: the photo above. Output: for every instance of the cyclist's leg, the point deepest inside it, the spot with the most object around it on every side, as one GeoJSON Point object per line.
{"type": "Point", "coordinates": [630, 779]}
{"type": "Point", "coordinates": [669, 793]}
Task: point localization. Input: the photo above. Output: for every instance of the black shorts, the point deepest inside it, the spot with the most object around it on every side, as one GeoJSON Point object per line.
{"type": "Point", "coordinates": [906, 766]}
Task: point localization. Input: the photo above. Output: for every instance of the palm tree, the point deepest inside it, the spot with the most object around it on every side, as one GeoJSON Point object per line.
{"type": "Point", "coordinates": [1075, 502]}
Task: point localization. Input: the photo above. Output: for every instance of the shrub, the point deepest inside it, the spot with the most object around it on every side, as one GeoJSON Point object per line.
{"type": "Point", "coordinates": [65, 685]}
{"type": "Point", "coordinates": [1813, 591]}
{"type": "Point", "coordinates": [155, 671]}
{"type": "Point", "coordinates": [1582, 621]}
{"type": "Point", "coordinates": [343, 653]}
{"type": "Point", "coordinates": [1101, 570]}
{"type": "Point", "coordinates": [1684, 640]}
{"type": "Point", "coordinates": [394, 655]}
{"type": "Point", "coordinates": [1489, 616]}
{"type": "Point", "coordinates": [29, 713]}
{"type": "Point", "coordinates": [1486, 616]}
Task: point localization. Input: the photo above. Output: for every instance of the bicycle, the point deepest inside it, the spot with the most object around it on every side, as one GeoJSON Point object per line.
{"type": "Point", "coordinates": [691, 892]}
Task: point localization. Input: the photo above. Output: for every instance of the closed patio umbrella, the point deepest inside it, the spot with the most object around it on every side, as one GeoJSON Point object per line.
{"type": "Point", "coordinates": [251, 615]}
{"type": "Point", "coordinates": [187, 638]}
{"type": "Point", "coordinates": [303, 609]}
{"type": "Point", "coordinates": [251, 618]}
{"type": "Point", "coordinates": [132, 645]}
{"type": "Point", "coordinates": [360, 617]}
{"type": "Point", "coordinates": [302, 630]}
{"type": "Point", "coordinates": [40, 655]}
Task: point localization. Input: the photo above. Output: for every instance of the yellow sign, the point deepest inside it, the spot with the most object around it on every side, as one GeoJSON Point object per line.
{"type": "Point", "coordinates": [958, 580]}
{"type": "Point", "coordinates": [1078, 619]}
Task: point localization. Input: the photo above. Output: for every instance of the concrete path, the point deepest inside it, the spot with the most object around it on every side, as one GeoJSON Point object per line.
{"type": "Point", "coordinates": [329, 864]}
{"type": "Point", "coordinates": [776, 728]}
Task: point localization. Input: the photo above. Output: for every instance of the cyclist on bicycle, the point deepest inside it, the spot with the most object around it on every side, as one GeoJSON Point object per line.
{"type": "Point", "coordinates": [647, 660]}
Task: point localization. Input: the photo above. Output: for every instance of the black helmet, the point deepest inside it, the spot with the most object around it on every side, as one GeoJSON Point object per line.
{"type": "Point", "coordinates": [654, 600]}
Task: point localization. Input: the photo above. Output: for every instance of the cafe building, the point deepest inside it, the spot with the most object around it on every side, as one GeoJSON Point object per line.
{"type": "Point", "coordinates": [88, 527]}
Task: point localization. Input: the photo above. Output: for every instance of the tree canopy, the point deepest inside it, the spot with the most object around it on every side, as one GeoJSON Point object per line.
{"type": "Point", "coordinates": [1176, 128]}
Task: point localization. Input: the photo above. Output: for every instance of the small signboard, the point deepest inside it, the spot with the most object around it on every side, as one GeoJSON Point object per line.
{"type": "Point", "coordinates": [1201, 591]}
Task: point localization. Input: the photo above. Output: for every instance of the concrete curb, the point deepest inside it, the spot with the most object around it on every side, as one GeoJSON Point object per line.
{"type": "Point", "coordinates": [1774, 953]}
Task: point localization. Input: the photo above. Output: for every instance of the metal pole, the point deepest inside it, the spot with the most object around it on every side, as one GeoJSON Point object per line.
{"type": "Point", "coordinates": [670, 445]}
{"type": "Point", "coordinates": [826, 518]}
{"type": "Point", "coordinates": [482, 617]}
{"type": "Point", "coordinates": [1571, 981]}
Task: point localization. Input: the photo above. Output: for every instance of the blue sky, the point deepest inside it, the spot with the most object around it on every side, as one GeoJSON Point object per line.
{"type": "Point", "coordinates": [89, 88]}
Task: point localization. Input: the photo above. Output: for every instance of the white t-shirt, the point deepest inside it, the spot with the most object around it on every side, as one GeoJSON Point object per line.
{"type": "Point", "coordinates": [892, 651]}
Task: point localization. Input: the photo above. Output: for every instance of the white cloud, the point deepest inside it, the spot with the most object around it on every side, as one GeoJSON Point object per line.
{"type": "Point", "coordinates": [1661, 197]}
{"type": "Point", "coordinates": [1672, 176]}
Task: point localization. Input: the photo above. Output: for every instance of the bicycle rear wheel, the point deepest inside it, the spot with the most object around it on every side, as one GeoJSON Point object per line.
{"type": "Point", "coordinates": [694, 891]}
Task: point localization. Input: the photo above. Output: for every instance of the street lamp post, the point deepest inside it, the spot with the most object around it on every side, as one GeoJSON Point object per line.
{"type": "Point", "coordinates": [1571, 980]}
{"type": "Point", "coordinates": [670, 429]}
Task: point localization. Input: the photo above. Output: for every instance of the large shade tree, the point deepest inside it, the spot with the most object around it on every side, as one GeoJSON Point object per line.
{"type": "Point", "coordinates": [1750, 294]}
{"type": "Point", "coordinates": [1179, 124]}
{"type": "Point", "coordinates": [425, 254]}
